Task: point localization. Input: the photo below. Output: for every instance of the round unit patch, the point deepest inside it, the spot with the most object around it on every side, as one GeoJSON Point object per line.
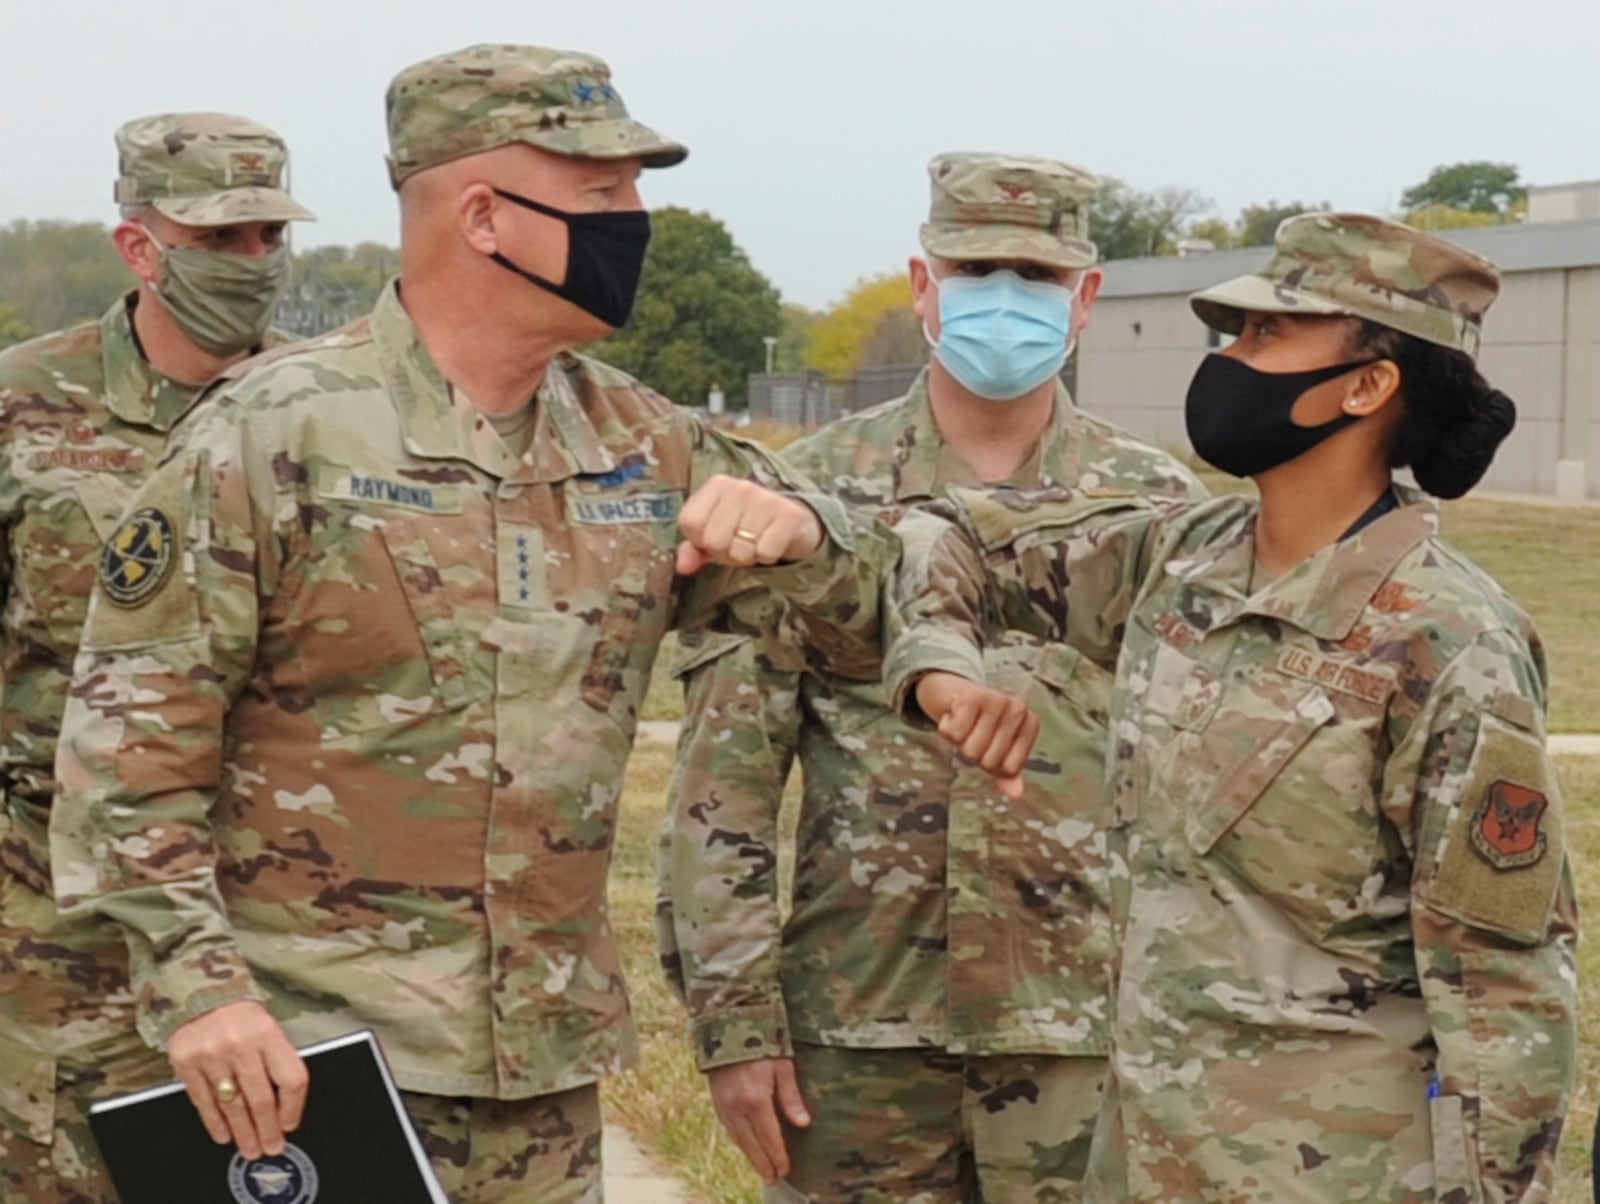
{"type": "Point", "coordinates": [286, 1178]}
{"type": "Point", "coordinates": [138, 557]}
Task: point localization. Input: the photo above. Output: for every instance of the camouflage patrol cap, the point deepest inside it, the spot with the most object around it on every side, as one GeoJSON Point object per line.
{"type": "Point", "coordinates": [1363, 267]}
{"type": "Point", "coordinates": [488, 96]}
{"type": "Point", "coordinates": [987, 206]}
{"type": "Point", "coordinates": [205, 169]}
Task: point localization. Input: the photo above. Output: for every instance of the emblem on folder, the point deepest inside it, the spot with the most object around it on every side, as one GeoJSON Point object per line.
{"type": "Point", "coordinates": [286, 1178]}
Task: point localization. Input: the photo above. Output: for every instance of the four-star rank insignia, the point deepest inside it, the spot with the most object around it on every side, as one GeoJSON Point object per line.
{"type": "Point", "coordinates": [1505, 830]}
{"type": "Point", "coordinates": [138, 557]}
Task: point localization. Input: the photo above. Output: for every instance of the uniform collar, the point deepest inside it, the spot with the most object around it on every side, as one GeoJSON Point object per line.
{"type": "Point", "coordinates": [436, 424]}
{"type": "Point", "coordinates": [1326, 593]}
{"type": "Point", "coordinates": [134, 391]}
{"type": "Point", "coordinates": [917, 475]}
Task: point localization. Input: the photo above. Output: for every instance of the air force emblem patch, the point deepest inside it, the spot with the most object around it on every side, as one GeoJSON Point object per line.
{"type": "Point", "coordinates": [138, 557]}
{"type": "Point", "coordinates": [286, 1178]}
{"type": "Point", "coordinates": [1505, 830]}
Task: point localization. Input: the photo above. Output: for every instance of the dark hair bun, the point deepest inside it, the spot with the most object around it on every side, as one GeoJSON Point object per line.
{"type": "Point", "coordinates": [1464, 449]}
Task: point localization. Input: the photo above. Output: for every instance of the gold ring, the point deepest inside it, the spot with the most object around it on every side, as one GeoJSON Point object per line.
{"type": "Point", "coordinates": [227, 1091]}
{"type": "Point", "coordinates": [746, 534]}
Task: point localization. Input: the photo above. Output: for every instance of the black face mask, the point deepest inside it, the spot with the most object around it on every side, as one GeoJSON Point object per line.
{"type": "Point", "coordinates": [1239, 417]}
{"type": "Point", "coordinates": [605, 257]}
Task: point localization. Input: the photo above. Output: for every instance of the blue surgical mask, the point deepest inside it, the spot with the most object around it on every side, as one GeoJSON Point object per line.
{"type": "Point", "coordinates": [1002, 336]}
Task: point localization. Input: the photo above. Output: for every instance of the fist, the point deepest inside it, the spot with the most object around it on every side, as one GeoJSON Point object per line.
{"type": "Point", "coordinates": [993, 730]}
{"type": "Point", "coordinates": [734, 522]}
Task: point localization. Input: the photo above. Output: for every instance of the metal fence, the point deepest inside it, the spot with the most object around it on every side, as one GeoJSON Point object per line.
{"type": "Point", "coordinates": [810, 400]}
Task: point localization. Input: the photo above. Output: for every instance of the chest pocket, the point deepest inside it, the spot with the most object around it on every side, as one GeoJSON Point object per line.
{"type": "Point", "coordinates": [438, 625]}
{"type": "Point", "coordinates": [626, 567]}
{"type": "Point", "coordinates": [1166, 699]}
{"type": "Point", "coordinates": [1292, 815]}
{"type": "Point", "coordinates": [1252, 760]}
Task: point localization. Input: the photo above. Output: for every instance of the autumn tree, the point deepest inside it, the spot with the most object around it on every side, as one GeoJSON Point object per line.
{"type": "Point", "coordinates": [841, 335]}
{"type": "Point", "coordinates": [702, 313]}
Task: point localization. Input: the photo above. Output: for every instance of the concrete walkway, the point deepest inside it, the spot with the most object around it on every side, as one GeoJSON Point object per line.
{"type": "Point", "coordinates": [1575, 744]}
{"type": "Point", "coordinates": [631, 1176]}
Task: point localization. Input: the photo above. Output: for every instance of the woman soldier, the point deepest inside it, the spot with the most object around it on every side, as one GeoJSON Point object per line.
{"type": "Point", "coordinates": [1345, 919]}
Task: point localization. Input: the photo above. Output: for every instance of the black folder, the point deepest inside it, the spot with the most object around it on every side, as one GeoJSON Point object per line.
{"type": "Point", "coordinates": [355, 1145]}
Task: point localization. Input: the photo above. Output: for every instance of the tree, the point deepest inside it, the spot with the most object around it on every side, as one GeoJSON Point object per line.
{"type": "Point", "coordinates": [12, 328]}
{"type": "Point", "coordinates": [1258, 224]}
{"type": "Point", "coordinates": [333, 285]}
{"type": "Point", "coordinates": [839, 337]}
{"type": "Point", "coordinates": [701, 315]}
{"type": "Point", "coordinates": [55, 273]}
{"type": "Point", "coordinates": [1443, 217]}
{"type": "Point", "coordinates": [795, 323]}
{"type": "Point", "coordinates": [1213, 229]}
{"type": "Point", "coordinates": [1477, 186]}
{"type": "Point", "coordinates": [1128, 224]}
{"type": "Point", "coordinates": [897, 341]}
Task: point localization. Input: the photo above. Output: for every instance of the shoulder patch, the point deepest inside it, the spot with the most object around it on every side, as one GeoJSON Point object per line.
{"type": "Point", "coordinates": [138, 558]}
{"type": "Point", "coordinates": [1504, 854]}
{"type": "Point", "coordinates": [1505, 828]}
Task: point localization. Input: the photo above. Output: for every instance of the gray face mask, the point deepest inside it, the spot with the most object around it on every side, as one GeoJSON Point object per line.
{"type": "Point", "coordinates": [222, 301]}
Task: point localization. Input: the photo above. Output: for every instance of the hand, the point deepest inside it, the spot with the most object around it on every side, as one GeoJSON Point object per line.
{"type": "Point", "coordinates": [990, 729]}
{"type": "Point", "coordinates": [734, 522]}
{"type": "Point", "coordinates": [242, 1044]}
{"type": "Point", "coordinates": [743, 1096]}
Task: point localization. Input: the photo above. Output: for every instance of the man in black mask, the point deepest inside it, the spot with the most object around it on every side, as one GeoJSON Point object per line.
{"type": "Point", "coordinates": [410, 583]}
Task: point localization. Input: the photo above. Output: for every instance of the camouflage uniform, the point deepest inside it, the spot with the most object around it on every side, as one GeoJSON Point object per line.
{"type": "Point", "coordinates": [83, 419]}
{"type": "Point", "coordinates": [357, 692]}
{"type": "Point", "coordinates": [941, 978]}
{"type": "Point", "coordinates": [1344, 914]}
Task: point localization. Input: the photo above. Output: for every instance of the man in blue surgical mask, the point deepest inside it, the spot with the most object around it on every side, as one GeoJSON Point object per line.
{"type": "Point", "coordinates": [929, 1022]}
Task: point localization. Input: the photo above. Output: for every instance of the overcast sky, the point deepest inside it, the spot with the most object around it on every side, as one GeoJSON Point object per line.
{"type": "Point", "coordinates": [810, 121]}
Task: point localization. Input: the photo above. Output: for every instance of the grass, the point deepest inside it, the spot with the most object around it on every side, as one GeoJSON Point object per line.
{"type": "Point", "coordinates": [1545, 557]}
{"type": "Point", "coordinates": [663, 1101]}
{"type": "Point", "coordinates": [1580, 784]}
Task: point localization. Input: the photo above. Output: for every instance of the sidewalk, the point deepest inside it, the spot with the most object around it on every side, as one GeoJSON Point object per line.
{"type": "Point", "coordinates": [631, 1177]}
{"type": "Point", "coordinates": [1575, 744]}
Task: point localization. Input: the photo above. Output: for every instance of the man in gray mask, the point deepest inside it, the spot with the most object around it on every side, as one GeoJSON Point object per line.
{"type": "Point", "coordinates": [84, 417]}
{"type": "Point", "coordinates": [204, 216]}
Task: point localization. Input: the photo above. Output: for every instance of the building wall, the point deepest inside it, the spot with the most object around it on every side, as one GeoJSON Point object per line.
{"type": "Point", "coordinates": [1541, 347]}
{"type": "Point", "coordinates": [1564, 202]}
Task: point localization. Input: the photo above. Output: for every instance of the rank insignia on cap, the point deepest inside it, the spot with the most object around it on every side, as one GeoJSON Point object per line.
{"type": "Point", "coordinates": [1505, 830]}
{"type": "Point", "coordinates": [138, 557]}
